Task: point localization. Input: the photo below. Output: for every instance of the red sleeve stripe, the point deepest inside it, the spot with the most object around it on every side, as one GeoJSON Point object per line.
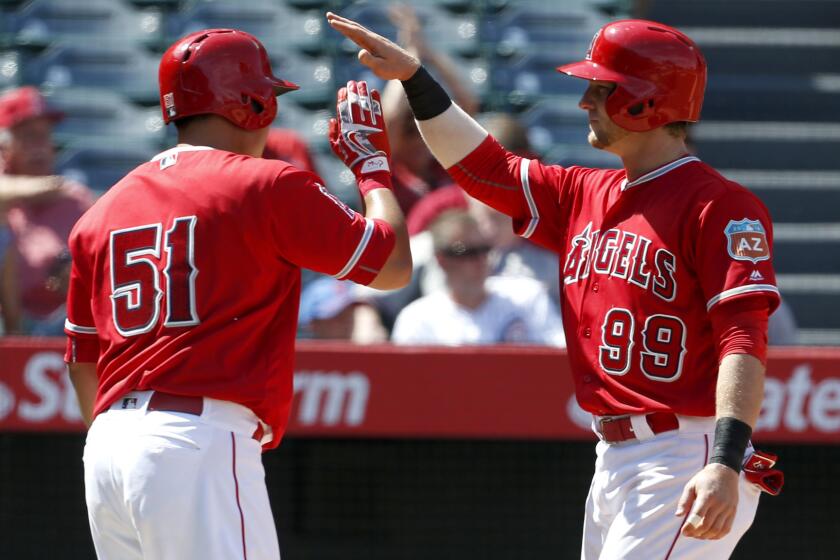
{"type": "Point", "coordinates": [739, 291]}
{"type": "Point", "coordinates": [532, 205]}
{"type": "Point", "coordinates": [360, 249]}
{"type": "Point", "coordinates": [78, 328]}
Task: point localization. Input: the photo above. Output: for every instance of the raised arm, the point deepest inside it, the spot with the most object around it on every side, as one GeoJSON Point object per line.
{"type": "Point", "coordinates": [359, 138]}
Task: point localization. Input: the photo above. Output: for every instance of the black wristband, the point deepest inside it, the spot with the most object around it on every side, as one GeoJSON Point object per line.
{"type": "Point", "coordinates": [731, 439]}
{"type": "Point", "coordinates": [425, 96]}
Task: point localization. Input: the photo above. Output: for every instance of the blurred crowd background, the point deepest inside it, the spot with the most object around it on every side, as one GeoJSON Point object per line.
{"type": "Point", "coordinates": [80, 109]}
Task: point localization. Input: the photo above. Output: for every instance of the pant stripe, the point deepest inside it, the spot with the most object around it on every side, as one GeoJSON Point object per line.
{"type": "Point", "coordinates": [679, 531]}
{"type": "Point", "coordinates": [238, 504]}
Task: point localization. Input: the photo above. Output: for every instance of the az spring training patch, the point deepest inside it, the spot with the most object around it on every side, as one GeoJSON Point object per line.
{"type": "Point", "coordinates": [747, 240]}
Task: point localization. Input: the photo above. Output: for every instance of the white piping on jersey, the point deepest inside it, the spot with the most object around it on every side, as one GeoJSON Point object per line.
{"type": "Point", "coordinates": [740, 290]}
{"type": "Point", "coordinates": [178, 149]}
{"type": "Point", "coordinates": [658, 172]}
{"type": "Point", "coordinates": [78, 328]}
{"type": "Point", "coordinates": [360, 249]}
{"type": "Point", "coordinates": [529, 197]}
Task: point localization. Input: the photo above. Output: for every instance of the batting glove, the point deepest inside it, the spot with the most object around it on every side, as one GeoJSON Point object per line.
{"type": "Point", "coordinates": [358, 136]}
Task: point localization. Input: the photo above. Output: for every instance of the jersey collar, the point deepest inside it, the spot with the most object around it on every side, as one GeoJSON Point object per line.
{"type": "Point", "coordinates": [658, 172]}
{"type": "Point", "coordinates": [178, 149]}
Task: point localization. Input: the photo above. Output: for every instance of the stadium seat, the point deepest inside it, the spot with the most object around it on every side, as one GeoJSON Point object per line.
{"type": "Point", "coordinates": [11, 71]}
{"type": "Point", "coordinates": [522, 31]}
{"type": "Point", "coordinates": [278, 26]}
{"type": "Point", "coordinates": [581, 154]}
{"type": "Point", "coordinates": [760, 153]}
{"type": "Point", "coordinates": [43, 22]}
{"type": "Point", "coordinates": [555, 121]}
{"type": "Point", "coordinates": [128, 70]}
{"type": "Point", "coordinates": [100, 167]}
{"type": "Point", "coordinates": [312, 125]}
{"type": "Point", "coordinates": [314, 75]}
{"type": "Point", "coordinates": [747, 13]}
{"type": "Point", "coordinates": [527, 79]}
{"type": "Point", "coordinates": [106, 117]}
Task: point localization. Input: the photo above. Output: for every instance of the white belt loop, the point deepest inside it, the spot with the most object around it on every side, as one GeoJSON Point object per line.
{"type": "Point", "coordinates": [641, 427]}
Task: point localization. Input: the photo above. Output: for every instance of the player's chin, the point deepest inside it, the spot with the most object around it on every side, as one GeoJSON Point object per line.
{"type": "Point", "coordinates": [595, 141]}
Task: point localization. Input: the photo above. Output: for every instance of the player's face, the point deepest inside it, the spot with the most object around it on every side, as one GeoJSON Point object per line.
{"type": "Point", "coordinates": [603, 132]}
{"type": "Point", "coordinates": [30, 149]}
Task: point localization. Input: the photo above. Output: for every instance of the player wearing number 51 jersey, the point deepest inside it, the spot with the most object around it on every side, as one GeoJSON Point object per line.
{"type": "Point", "coordinates": [667, 285]}
{"type": "Point", "coordinates": [183, 303]}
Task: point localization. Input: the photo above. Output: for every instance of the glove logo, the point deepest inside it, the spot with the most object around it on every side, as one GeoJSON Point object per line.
{"type": "Point", "coordinates": [375, 164]}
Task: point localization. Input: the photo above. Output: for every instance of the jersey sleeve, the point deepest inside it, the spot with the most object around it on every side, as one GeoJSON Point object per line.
{"type": "Point", "coordinates": [313, 229]}
{"type": "Point", "coordinates": [734, 250]}
{"type": "Point", "coordinates": [80, 328]}
{"type": "Point", "coordinates": [531, 193]}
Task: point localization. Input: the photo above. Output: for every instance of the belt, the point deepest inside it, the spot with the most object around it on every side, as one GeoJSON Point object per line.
{"type": "Point", "coordinates": [175, 403]}
{"type": "Point", "coordinates": [615, 429]}
{"type": "Point", "coordinates": [168, 402]}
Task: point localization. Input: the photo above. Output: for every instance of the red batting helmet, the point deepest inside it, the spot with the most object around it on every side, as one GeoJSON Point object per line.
{"type": "Point", "coordinates": [660, 74]}
{"type": "Point", "coordinates": [221, 71]}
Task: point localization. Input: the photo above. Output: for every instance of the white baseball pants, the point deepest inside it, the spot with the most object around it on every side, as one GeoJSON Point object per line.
{"type": "Point", "coordinates": [634, 494]}
{"type": "Point", "coordinates": [175, 486]}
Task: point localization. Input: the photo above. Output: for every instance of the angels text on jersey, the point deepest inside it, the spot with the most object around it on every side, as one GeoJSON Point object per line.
{"type": "Point", "coordinates": [622, 254]}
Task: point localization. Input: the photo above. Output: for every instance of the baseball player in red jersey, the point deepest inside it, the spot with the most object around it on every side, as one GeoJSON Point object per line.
{"type": "Point", "coordinates": [184, 296]}
{"type": "Point", "coordinates": [667, 285]}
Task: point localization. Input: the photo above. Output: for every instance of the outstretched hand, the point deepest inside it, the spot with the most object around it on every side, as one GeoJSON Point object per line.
{"type": "Point", "coordinates": [385, 58]}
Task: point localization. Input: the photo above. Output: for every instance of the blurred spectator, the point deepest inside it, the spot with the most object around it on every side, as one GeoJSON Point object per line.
{"type": "Point", "coordinates": [474, 308]}
{"type": "Point", "coordinates": [512, 256]}
{"type": "Point", "coordinates": [16, 190]}
{"type": "Point", "coordinates": [415, 172]}
{"type": "Point", "coordinates": [781, 328]}
{"type": "Point", "coordinates": [334, 310]}
{"type": "Point", "coordinates": [39, 208]}
{"type": "Point", "coordinates": [287, 145]}
{"type": "Point", "coordinates": [9, 295]}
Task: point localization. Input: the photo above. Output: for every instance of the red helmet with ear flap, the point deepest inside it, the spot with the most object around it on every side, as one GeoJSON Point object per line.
{"type": "Point", "coordinates": [660, 74]}
{"type": "Point", "coordinates": [220, 71]}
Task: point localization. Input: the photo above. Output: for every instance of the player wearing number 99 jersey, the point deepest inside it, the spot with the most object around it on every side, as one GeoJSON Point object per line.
{"type": "Point", "coordinates": [183, 303]}
{"type": "Point", "coordinates": [667, 285]}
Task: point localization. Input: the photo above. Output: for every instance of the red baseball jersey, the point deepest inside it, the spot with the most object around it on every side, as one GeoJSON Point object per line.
{"type": "Point", "coordinates": [187, 272]}
{"type": "Point", "coordinates": [641, 264]}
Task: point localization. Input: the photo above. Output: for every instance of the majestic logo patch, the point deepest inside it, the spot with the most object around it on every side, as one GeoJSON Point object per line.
{"type": "Point", "coordinates": [747, 240]}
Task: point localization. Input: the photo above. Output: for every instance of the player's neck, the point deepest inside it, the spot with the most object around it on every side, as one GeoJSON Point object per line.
{"type": "Point", "coordinates": [218, 133]}
{"type": "Point", "coordinates": [650, 153]}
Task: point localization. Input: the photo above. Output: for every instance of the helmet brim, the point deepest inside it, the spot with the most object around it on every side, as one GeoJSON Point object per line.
{"type": "Point", "coordinates": [588, 70]}
{"type": "Point", "coordinates": [283, 86]}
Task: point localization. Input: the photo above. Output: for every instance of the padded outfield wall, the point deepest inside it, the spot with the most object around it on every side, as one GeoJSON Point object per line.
{"type": "Point", "coordinates": [421, 453]}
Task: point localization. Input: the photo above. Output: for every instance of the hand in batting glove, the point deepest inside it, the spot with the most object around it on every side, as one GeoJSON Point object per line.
{"type": "Point", "coordinates": [358, 136]}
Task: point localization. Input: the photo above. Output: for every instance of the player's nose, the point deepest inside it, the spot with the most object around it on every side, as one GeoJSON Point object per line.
{"type": "Point", "coordinates": [586, 102]}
